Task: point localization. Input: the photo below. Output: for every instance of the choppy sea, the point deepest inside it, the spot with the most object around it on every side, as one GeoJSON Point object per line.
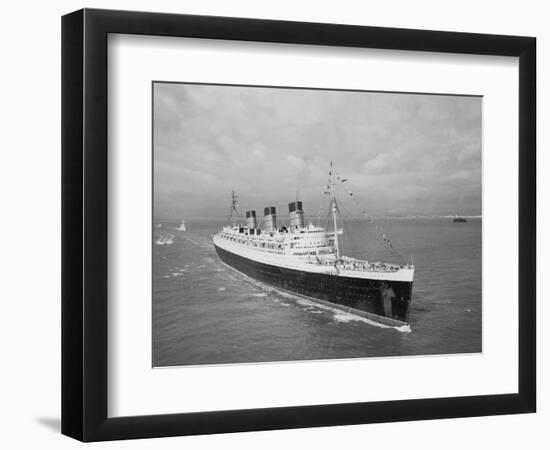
{"type": "Point", "coordinates": [207, 313]}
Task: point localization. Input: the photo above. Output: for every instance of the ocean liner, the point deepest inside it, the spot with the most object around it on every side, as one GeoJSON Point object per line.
{"type": "Point", "coordinates": [305, 260]}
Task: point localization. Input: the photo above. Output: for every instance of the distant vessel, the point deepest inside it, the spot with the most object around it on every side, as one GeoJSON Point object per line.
{"type": "Point", "coordinates": [306, 260]}
{"type": "Point", "coordinates": [182, 226]}
{"type": "Point", "coordinates": [459, 219]}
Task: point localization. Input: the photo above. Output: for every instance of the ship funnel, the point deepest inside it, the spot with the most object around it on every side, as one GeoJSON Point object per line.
{"type": "Point", "coordinates": [296, 215]}
{"type": "Point", "coordinates": [270, 218]}
{"type": "Point", "coordinates": [251, 219]}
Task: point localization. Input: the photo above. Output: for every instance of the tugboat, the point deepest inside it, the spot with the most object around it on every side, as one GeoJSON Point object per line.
{"type": "Point", "coordinates": [306, 260]}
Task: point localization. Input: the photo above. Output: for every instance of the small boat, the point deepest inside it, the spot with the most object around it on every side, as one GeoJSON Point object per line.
{"type": "Point", "coordinates": [459, 219]}
{"type": "Point", "coordinates": [165, 239]}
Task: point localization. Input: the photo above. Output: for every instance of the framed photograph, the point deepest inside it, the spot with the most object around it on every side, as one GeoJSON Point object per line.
{"type": "Point", "coordinates": [272, 224]}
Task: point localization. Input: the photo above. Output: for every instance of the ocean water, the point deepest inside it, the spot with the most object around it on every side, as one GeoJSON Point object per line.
{"type": "Point", "coordinates": [207, 313]}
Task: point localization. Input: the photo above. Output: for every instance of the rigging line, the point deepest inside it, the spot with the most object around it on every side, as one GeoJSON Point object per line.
{"type": "Point", "coordinates": [347, 238]}
{"type": "Point", "coordinates": [327, 221]}
{"type": "Point", "coordinates": [352, 194]}
{"type": "Point", "coordinates": [387, 241]}
{"type": "Point", "coordinates": [384, 245]}
{"type": "Point", "coordinates": [379, 241]}
{"type": "Point", "coordinates": [321, 208]}
{"type": "Point", "coordinates": [234, 208]}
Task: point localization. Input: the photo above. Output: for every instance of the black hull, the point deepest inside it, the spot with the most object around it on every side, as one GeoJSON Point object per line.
{"type": "Point", "coordinates": [386, 302]}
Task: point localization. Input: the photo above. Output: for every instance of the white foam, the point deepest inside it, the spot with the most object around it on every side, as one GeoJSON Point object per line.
{"type": "Point", "coordinates": [346, 317]}
{"type": "Point", "coordinates": [221, 289]}
{"type": "Point", "coordinates": [343, 317]}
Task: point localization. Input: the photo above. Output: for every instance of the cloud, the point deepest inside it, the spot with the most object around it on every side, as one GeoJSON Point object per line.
{"type": "Point", "coordinates": [403, 153]}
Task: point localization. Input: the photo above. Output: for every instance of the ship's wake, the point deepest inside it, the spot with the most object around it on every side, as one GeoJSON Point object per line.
{"type": "Point", "coordinates": [203, 245]}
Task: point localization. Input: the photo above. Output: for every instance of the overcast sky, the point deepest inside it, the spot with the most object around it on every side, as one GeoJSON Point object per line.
{"type": "Point", "coordinates": [404, 154]}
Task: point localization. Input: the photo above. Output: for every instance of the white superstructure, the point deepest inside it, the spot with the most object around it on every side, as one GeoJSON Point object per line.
{"type": "Point", "coordinates": [306, 248]}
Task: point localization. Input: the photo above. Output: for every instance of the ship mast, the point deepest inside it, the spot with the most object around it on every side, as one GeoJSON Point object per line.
{"type": "Point", "coordinates": [233, 213]}
{"type": "Point", "coordinates": [334, 209]}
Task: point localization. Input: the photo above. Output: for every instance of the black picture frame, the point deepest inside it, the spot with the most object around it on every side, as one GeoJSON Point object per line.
{"type": "Point", "coordinates": [84, 224]}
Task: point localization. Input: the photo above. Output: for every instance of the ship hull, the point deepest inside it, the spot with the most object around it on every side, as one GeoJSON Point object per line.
{"type": "Point", "coordinates": [383, 301]}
